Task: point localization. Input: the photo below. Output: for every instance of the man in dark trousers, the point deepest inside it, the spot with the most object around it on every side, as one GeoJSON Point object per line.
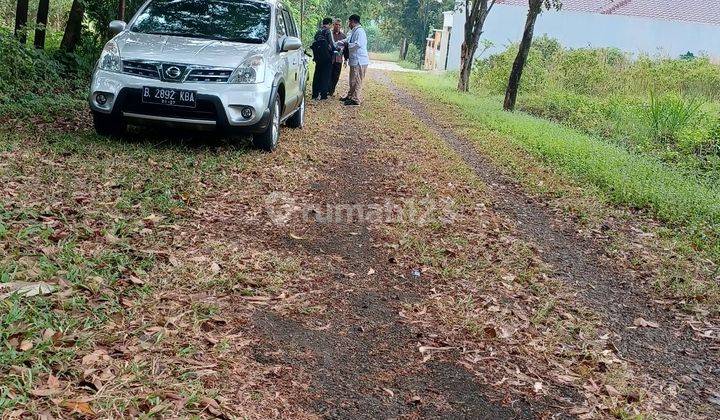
{"type": "Point", "coordinates": [323, 52]}
{"type": "Point", "coordinates": [339, 56]}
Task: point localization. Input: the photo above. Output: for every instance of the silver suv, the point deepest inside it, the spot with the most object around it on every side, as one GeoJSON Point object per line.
{"type": "Point", "coordinates": [230, 65]}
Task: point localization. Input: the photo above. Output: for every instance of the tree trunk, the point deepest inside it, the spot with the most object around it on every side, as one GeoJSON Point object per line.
{"type": "Point", "coordinates": [21, 18]}
{"type": "Point", "coordinates": [403, 49]}
{"type": "Point", "coordinates": [466, 60]}
{"type": "Point", "coordinates": [42, 20]}
{"type": "Point", "coordinates": [121, 10]}
{"type": "Point", "coordinates": [474, 23]}
{"type": "Point", "coordinates": [73, 29]}
{"type": "Point", "coordinates": [522, 55]}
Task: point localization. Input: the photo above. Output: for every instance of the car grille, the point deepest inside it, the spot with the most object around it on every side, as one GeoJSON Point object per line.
{"type": "Point", "coordinates": [209, 75]}
{"type": "Point", "coordinates": [142, 69]}
{"type": "Point", "coordinates": [151, 70]}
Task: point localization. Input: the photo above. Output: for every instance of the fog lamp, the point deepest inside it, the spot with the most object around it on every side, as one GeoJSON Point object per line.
{"type": "Point", "coordinates": [101, 99]}
{"type": "Point", "coordinates": [247, 112]}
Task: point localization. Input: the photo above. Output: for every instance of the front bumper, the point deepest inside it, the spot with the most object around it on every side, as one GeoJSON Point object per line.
{"type": "Point", "coordinates": [219, 105]}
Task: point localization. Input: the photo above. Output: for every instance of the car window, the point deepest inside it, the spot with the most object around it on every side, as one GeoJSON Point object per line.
{"type": "Point", "coordinates": [289, 23]}
{"type": "Point", "coordinates": [226, 20]}
{"type": "Point", "coordinates": [280, 24]}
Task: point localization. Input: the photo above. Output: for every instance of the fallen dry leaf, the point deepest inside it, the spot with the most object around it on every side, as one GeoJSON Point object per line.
{"type": "Point", "coordinates": [81, 407]}
{"type": "Point", "coordinates": [94, 357]}
{"type": "Point", "coordinates": [135, 280]}
{"type": "Point", "coordinates": [215, 268]}
{"type": "Point", "coordinates": [53, 382]}
{"type": "Point", "coordinates": [641, 322]}
{"type": "Point", "coordinates": [25, 289]}
{"type": "Point", "coordinates": [25, 345]}
{"type": "Point", "coordinates": [45, 392]}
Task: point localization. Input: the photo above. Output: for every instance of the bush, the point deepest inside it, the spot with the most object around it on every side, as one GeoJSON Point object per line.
{"type": "Point", "coordinates": [667, 108]}
{"type": "Point", "coordinates": [625, 177]}
{"type": "Point", "coordinates": [669, 114]}
{"type": "Point", "coordinates": [413, 56]}
{"type": "Point", "coordinates": [34, 81]}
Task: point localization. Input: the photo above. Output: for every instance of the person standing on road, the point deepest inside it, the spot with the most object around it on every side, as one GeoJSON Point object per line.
{"type": "Point", "coordinates": [338, 58]}
{"type": "Point", "coordinates": [358, 61]}
{"type": "Point", "coordinates": [323, 52]}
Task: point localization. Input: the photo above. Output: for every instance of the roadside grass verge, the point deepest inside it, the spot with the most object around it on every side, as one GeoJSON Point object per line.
{"type": "Point", "coordinates": [666, 108]}
{"type": "Point", "coordinates": [385, 56]}
{"type": "Point", "coordinates": [623, 178]}
{"type": "Point", "coordinates": [679, 257]}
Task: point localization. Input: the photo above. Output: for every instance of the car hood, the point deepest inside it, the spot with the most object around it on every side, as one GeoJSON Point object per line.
{"type": "Point", "coordinates": [182, 50]}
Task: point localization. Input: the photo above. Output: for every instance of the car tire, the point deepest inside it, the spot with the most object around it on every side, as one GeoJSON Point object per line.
{"type": "Point", "coordinates": [268, 139]}
{"type": "Point", "coordinates": [107, 125]}
{"type": "Point", "coordinates": [298, 118]}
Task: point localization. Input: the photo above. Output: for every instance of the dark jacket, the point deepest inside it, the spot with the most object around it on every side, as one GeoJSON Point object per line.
{"type": "Point", "coordinates": [323, 46]}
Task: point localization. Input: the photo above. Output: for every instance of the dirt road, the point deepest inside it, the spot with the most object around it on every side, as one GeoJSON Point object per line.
{"type": "Point", "coordinates": [364, 357]}
{"type": "Point", "coordinates": [378, 265]}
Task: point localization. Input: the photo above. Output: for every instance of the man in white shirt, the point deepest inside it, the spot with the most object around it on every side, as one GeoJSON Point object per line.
{"type": "Point", "coordinates": [359, 60]}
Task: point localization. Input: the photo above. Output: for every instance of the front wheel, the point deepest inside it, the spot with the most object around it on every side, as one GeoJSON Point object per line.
{"type": "Point", "coordinates": [107, 125]}
{"type": "Point", "coordinates": [298, 118]}
{"type": "Point", "coordinates": [268, 139]}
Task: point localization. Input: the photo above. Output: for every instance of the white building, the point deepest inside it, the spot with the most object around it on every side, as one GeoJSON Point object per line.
{"type": "Point", "coordinates": [659, 27]}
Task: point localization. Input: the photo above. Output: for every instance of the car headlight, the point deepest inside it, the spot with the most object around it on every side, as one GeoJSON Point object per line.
{"type": "Point", "coordinates": [252, 70]}
{"type": "Point", "coordinates": [110, 58]}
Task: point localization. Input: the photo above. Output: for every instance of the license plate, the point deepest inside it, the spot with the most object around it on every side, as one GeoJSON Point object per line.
{"type": "Point", "coordinates": [171, 97]}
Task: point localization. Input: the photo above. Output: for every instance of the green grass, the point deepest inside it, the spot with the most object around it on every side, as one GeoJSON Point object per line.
{"type": "Point", "coordinates": [665, 108]}
{"type": "Point", "coordinates": [408, 65]}
{"type": "Point", "coordinates": [87, 244]}
{"type": "Point", "coordinates": [629, 179]}
{"type": "Point", "coordinates": [385, 56]}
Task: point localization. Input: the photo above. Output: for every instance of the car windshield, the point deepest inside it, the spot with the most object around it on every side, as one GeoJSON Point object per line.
{"type": "Point", "coordinates": [226, 20]}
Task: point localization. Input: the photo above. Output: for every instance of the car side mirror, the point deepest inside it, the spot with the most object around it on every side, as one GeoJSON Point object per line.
{"type": "Point", "coordinates": [291, 43]}
{"type": "Point", "coordinates": [117, 26]}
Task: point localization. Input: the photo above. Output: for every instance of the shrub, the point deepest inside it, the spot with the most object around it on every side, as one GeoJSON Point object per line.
{"type": "Point", "coordinates": [669, 114]}
{"type": "Point", "coordinates": [604, 93]}
{"type": "Point", "coordinates": [413, 55]}
{"type": "Point", "coordinates": [34, 81]}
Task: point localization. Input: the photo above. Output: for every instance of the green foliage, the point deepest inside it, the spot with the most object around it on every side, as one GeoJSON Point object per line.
{"type": "Point", "coordinates": [606, 93]}
{"type": "Point", "coordinates": [668, 115]}
{"type": "Point", "coordinates": [413, 56]}
{"type": "Point", "coordinates": [56, 16]}
{"type": "Point", "coordinates": [378, 41]}
{"type": "Point", "coordinates": [33, 82]}
{"type": "Point", "coordinates": [625, 177]}
{"type": "Point", "coordinates": [102, 12]}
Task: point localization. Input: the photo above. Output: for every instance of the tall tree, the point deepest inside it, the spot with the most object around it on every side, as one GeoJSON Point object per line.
{"type": "Point", "coordinates": [535, 7]}
{"type": "Point", "coordinates": [73, 28]}
{"type": "Point", "coordinates": [21, 18]}
{"type": "Point", "coordinates": [475, 14]}
{"type": "Point", "coordinates": [42, 20]}
{"type": "Point", "coordinates": [121, 10]}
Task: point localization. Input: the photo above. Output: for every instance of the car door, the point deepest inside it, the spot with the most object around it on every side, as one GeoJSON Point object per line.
{"type": "Point", "coordinates": [296, 59]}
{"type": "Point", "coordinates": [284, 60]}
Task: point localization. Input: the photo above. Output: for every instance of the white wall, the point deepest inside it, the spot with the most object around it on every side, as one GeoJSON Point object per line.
{"type": "Point", "coordinates": [635, 35]}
